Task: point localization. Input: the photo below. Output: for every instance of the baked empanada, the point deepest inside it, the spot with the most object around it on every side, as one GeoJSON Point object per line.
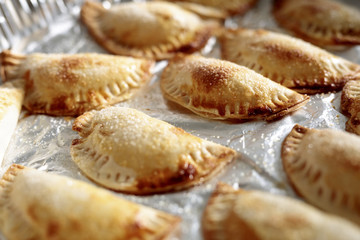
{"type": "Point", "coordinates": [324, 167]}
{"type": "Point", "coordinates": [350, 105]}
{"type": "Point", "coordinates": [249, 214]}
{"type": "Point", "coordinates": [325, 23]}
{"type": "Point", "coordinates": [148, 29]}
{"type": "Point", "coordinates": [219, 89]}
{"type": "Point", "coordinates": [70, 84]}
{"type": "Point", "coordinates": [126, 150]}
{"type": "Point", "coordinates": [232, 7]}
{"type": "Point", "coordinates": [11, 98]}
{"type": "Point", "coordinates": [42, 206]}
{"type": "Point", "coordinates": [286, 60]}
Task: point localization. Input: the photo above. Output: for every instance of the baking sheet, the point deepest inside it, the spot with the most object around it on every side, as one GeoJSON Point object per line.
{"type": "Point", "coordinates": [43, 142]}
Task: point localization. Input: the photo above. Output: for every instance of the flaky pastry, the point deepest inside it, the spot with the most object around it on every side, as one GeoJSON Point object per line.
{"type": "Point", "coordinates": [250, 214]}
{"type": "Point", "coordinates": [324, 167]}
{"type": "Point", "coordinates": [287, 60]}
{"type": "Point", "coordinates": [70, 84]}
{"type": "Point", "coordinates": [219, 89]}
{"type": "Point", "coordinates": [43, 206]}
{"type": "Point", "coordinates": [126, 150]}
{"type": "Point", "coordinates": [326, 23]}
{"type": "Point", "coordinates": [350, 105]}
{"type": "Point", "coordinates": [148, 29]}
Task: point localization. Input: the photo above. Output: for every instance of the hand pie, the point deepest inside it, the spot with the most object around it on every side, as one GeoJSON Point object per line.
{"type": "Point", "coordinates": [70, 84]}
{"type": "Point", "coordinates": [148, 29]}
{"type": "Point", "coordinates": [219, 89]}
{"type": "Point", "coordinates": [43, 206]}
{"type": "Point", "coordinates": [324, 168]}
{"type": "Point", "coordinates": [126, 150]}
{"type": "Point", "coordinates": [326, 23]}
{"type": "Point", "coordinates": [350, 105]}
{"type": "Point", "coordinates": [286, 60]}
{"type": "Point", "coordinates": [11, 98]}
{"type": "Point", "coordinates": [242, 214]}
{"type": "Point", "coordinates": [232, 7]}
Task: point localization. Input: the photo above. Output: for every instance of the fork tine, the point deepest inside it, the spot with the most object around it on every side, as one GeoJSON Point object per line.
{"type": "Point", "coordinates": [21, 18]}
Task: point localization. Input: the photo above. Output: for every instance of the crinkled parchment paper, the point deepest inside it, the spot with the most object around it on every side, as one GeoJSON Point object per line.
{"type": "Point", "coordinates": [43, 142]}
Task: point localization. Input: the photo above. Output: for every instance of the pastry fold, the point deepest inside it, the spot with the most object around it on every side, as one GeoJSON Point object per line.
{"type": "Point", "coordinates": [218, 89]}
{"type": "Point", "coordinates": [42, 206]}
{"type": "Point", "coordinates": [326, 23]}
{"type": "Point", "coordinates": [250, 214]}
{"type": "Point", "coordinates": [70, 84]}
{"type": "Point", "coordinates": [350, 105]}
{"type": "Point", "coordinates": [126, 150]}
{"type": "Point", "coordinates": [155, 30]}
{"type": "Point", "coordinates": [289, 61]}
{"type": "Point", "coordinates": [324, 167]}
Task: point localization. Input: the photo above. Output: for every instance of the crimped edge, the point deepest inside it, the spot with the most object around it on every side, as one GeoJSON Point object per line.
{"type": "Point", "coordinates": [83, 125]}
{"type": "Point", "coordinates": [228, 156]}
{"type": "Point", "coordinates": [230, 34]}
{"type": "Point", "coordinates": [267, 116]}
{"type": "Point", "coordinates": [347, 101]}
{"type": "Point", "coordinates": [172, 221]}
{"type": "Point", "coordinates": [91, 10]}
{"type": "Point", "coordinates": [211, 230]}
{"type": "Point", "coordinates": [289, 144]}
{"type": "Point", "coordinates": [288, 110]}
{"type": "Point", "coordinates": [10, 174]}
{"type": "Point", "coordinates": [353, 124]}
{"type": "Point", "coordinates": [98, 99]}
{"type": "Point", "coordinates": [335, 42]}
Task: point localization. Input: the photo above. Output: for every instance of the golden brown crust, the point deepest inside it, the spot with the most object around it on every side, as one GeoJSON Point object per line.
{"type": "Point", "coordinates": [325, 23]}
{"type": "Point", "coordinates": [219, 89]}
{"type": "Point", "coordinates": [350, 98]}
{"type": "Point", "coordinates": [158, 37]}
{"type": "Point", "coordinates": [323, 166]}
{"type": "Point", "coordinates": [216, 229]}
{"type": "Point", "coordinates": [287, 60]}
{"type": "Point", "coordinates": [70, 84]}
{"type": "Point", "coordinates": [39, 205]}
{"type": "Point", "coordinates": [125, 150]}
{"type": "Point", "coordinates": [353, 124]}
{"type": "Point", "coordinates": [261, 216]}
{"type": "Point", "coordinates": [350, 105]}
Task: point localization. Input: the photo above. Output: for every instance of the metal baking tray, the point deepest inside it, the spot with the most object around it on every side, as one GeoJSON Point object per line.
{"type": "Point", "coordinates": [43, 142]}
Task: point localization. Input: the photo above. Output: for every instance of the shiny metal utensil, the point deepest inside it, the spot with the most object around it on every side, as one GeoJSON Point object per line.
{"type": "Point", "coordinates": [21, 18]}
